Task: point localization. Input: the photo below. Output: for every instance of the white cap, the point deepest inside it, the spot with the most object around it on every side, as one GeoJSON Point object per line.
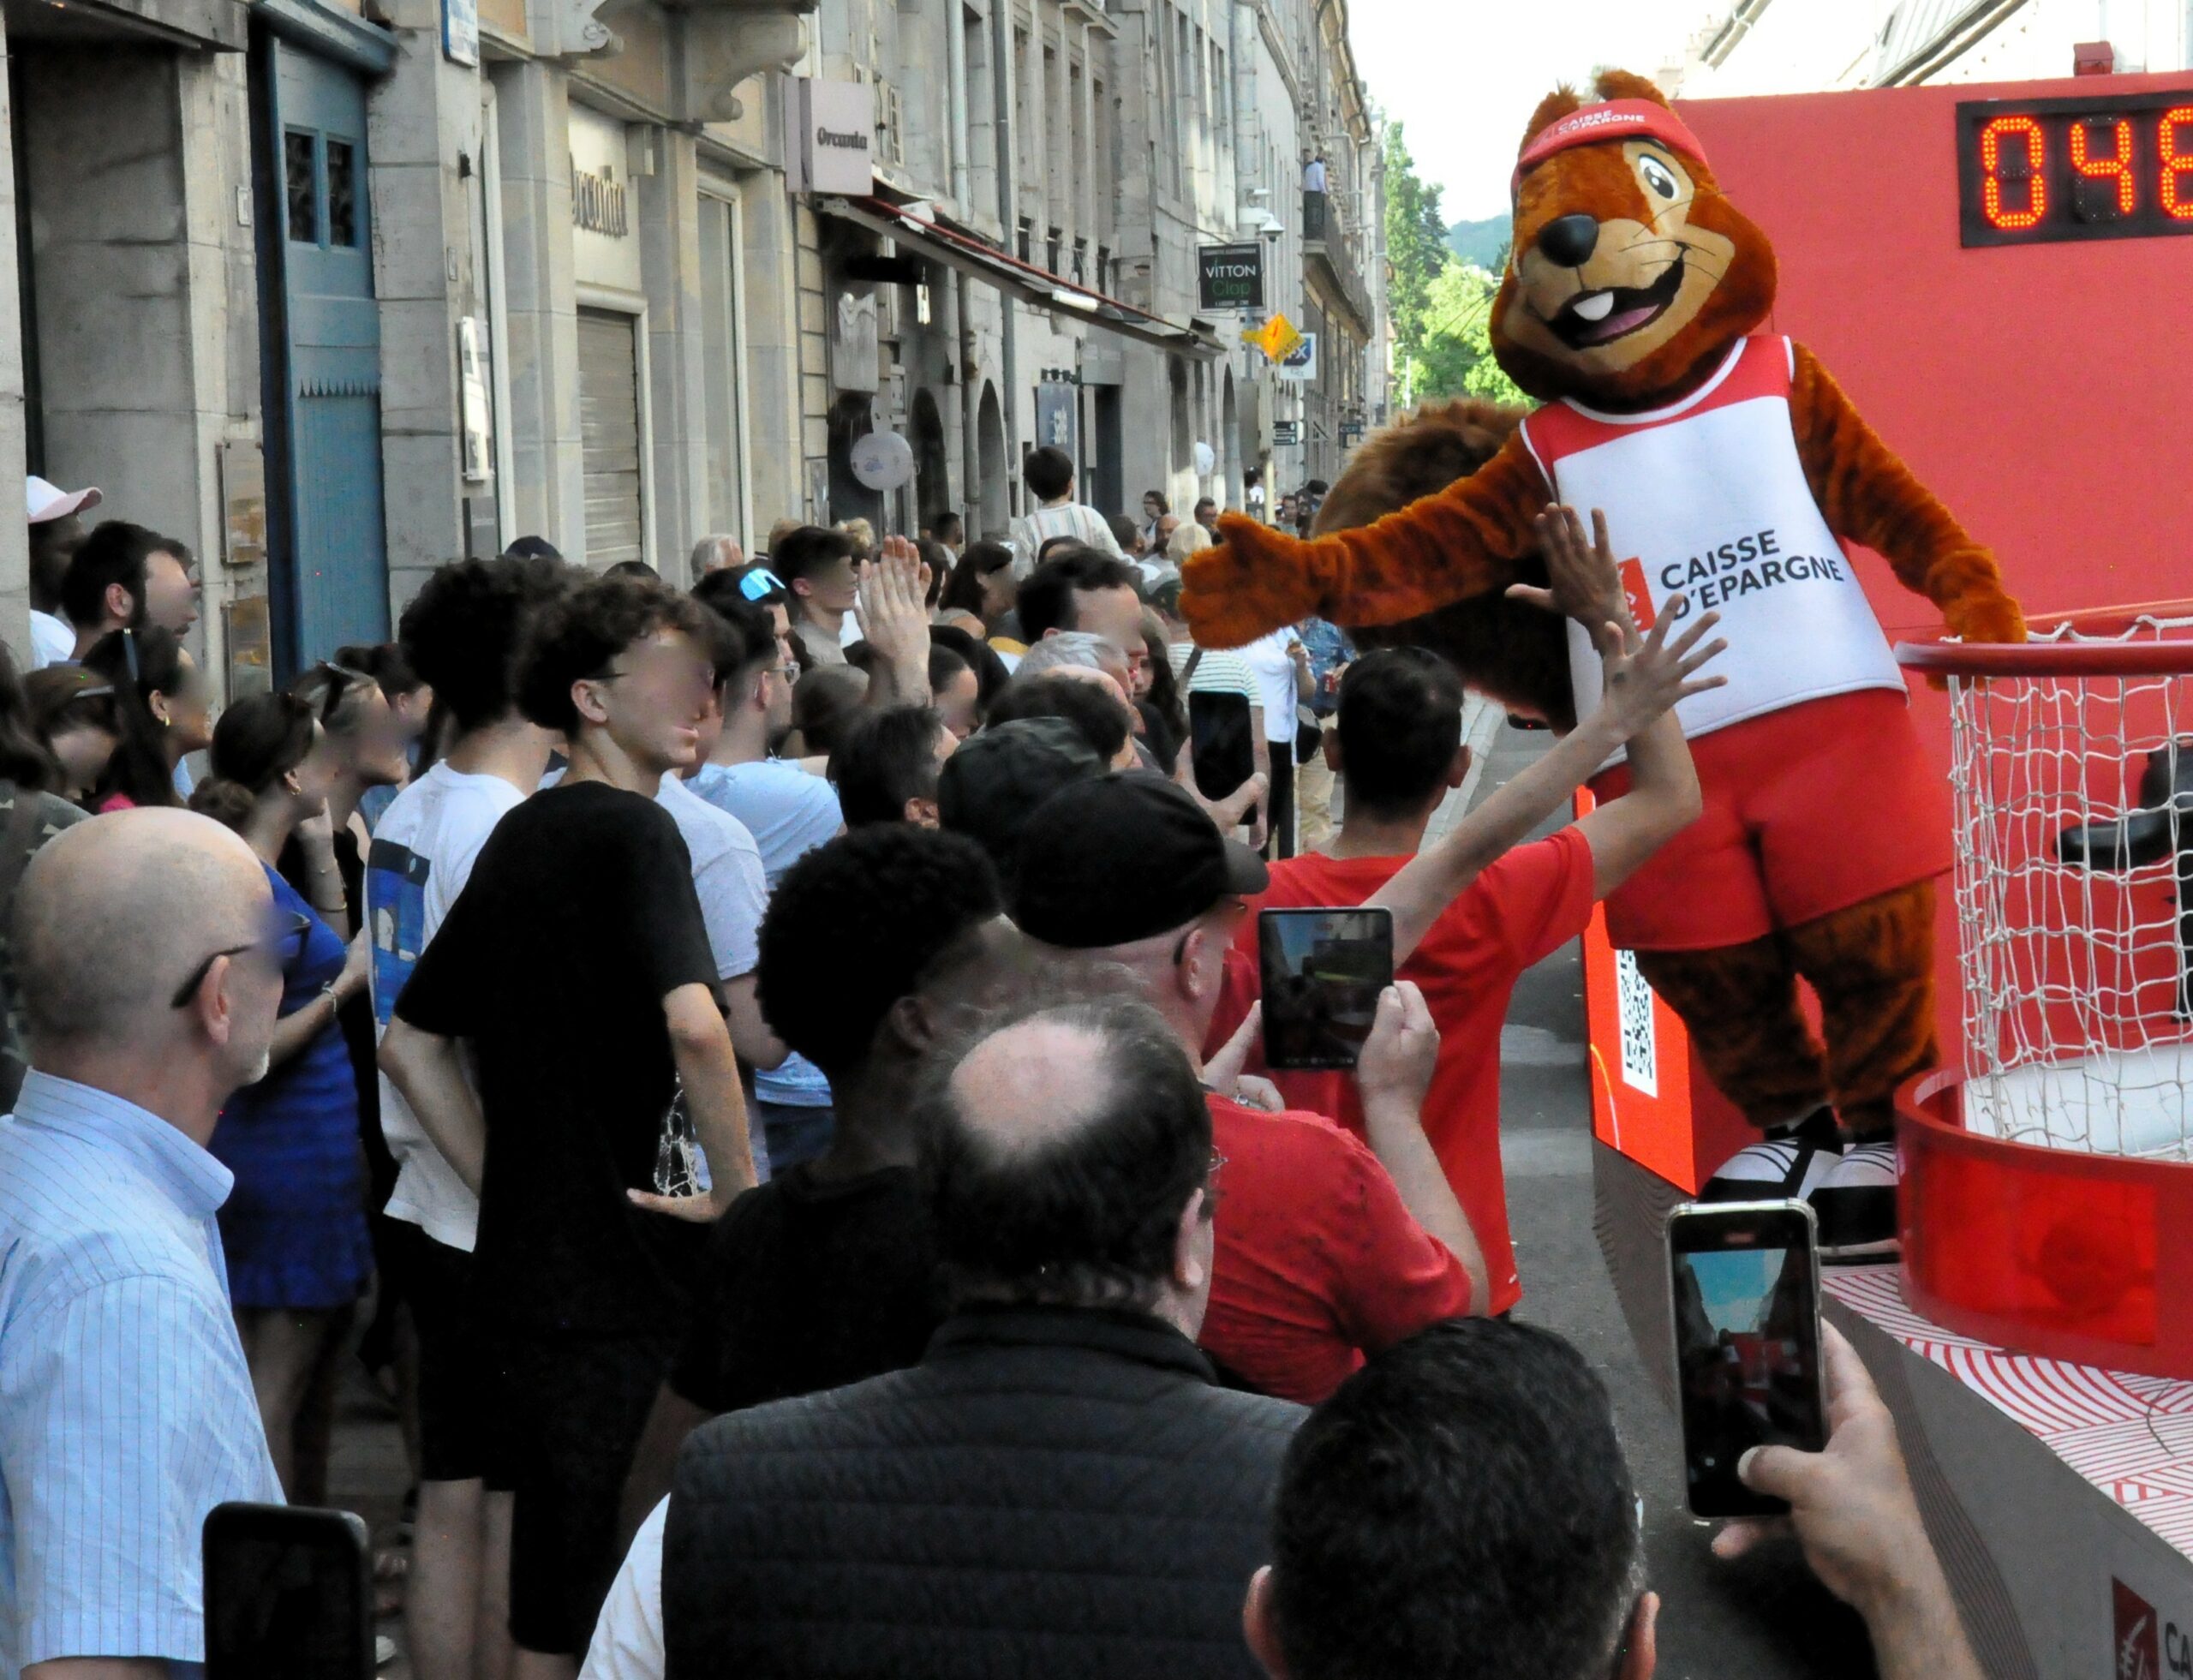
{"type": "Point", "coordinates": [50, 501]}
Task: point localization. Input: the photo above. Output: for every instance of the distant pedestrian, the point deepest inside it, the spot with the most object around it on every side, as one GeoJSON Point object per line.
{"type": "Point", "coordinates": [820, 571]}
{"type": "Point", "coordinates": [1049, 477]}
{"type": "Point", "coordinates": [56, 532]}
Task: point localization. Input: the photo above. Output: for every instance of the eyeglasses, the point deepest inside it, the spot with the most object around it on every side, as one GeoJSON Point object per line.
{"type": "Point", "coordinates": [760, 581]}
{"type": "Point", "coordinates": [285, 925]}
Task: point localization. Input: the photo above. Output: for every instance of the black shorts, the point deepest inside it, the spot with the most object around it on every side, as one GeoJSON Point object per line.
{"type": "Point", "coordinates": [454, 1394]}
{"type": "Point", "coordinates": [570, 1411]}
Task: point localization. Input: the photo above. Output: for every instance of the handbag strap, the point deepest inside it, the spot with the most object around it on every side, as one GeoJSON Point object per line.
{"type": "Point", "coordinates": [1188, 671]}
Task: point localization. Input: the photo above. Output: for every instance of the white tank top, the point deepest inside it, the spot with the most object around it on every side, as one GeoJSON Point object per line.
{"type": "Point", "coordinates": [1708, 497]}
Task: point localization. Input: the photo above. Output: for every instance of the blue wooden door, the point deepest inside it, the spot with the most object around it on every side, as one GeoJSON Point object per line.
{"type": "Point", "coordinates": [333, 354]}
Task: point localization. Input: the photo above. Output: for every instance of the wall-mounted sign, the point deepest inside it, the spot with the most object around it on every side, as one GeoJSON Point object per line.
{"type": "Point", "coordinates": [461, 32]}
{"type": "Point", "coordinates": [1300, 363]}
{"type": "Point", "coordinates": [829, 136]}
{"type": "Point", "coordinates": [478, 464]}
{"type": "Point", "coordinates": [605, 251]}
{"type": "Point", "coordinates": [1286, 433]}
{"type": "Point", "coordinates": [855, 346]}
{"type": "Point", "coordinates": [1351, 433]}
{"type": "Point", "coordinates": [243, 502]}
{"type": "Point", "coordinates": [1056, 415]}
{"type": "Point", "coordinates": [1231, 276]}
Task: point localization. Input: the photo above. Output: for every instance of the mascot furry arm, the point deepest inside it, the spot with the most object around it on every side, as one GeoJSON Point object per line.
{"type": "Point", "coordinates": [1467, 539]}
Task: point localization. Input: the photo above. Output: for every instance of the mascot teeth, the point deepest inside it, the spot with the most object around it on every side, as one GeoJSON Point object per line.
{"type": "Point", "coordinates": [1594, 305]}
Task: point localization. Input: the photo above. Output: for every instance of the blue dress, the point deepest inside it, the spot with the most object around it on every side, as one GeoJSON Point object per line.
{"type": "Point", "coordinates": [294, 1225]}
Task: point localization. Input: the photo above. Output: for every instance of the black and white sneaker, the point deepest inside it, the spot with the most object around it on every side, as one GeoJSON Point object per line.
{"type": "Point", "coordinates": [1855, 1205]}
{"type": "Point", "coordinates": [1789, 1164]}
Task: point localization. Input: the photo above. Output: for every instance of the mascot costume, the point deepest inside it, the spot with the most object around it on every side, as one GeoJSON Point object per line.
{"type": "Point", "coordinates": [1731, 469]}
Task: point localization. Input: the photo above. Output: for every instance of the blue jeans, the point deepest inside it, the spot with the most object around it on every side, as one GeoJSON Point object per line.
{"type": "Point", "coordinates": [795, 1134]}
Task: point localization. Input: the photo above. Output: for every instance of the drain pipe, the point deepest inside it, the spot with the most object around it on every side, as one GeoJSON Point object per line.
{"type": "Point", "coordinates": [1004, 79]}
{"type": "Point", "coordinates": [958, 325]}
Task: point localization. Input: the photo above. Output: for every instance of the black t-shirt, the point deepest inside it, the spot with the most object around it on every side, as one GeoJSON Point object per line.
{"type": "Point", "coordinates": [810, 1285]}
{"type": "Point", "coordinates": [578, 920]}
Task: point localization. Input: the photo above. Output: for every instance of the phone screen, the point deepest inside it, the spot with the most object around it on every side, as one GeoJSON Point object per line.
{"type": "Point", "coordinates": [288, 1593]}
{"type": "Point", "coordinates": [1223, 757]}
{"type": "Point", "coordinates": [1745, 1278]}
{"type": "Point", "coordinates": [1322, 972]}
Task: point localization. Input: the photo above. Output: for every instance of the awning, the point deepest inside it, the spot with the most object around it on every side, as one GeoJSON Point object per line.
{"type": "Point", "coordinates": [1032, 285]}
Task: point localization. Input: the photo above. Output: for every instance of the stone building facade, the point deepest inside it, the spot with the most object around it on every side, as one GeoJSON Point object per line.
{"type": "Point", "coordinates": [335, 295]}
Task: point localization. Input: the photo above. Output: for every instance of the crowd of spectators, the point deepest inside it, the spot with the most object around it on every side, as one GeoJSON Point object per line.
{"type": "Point", "coordinates": [780, 1059]}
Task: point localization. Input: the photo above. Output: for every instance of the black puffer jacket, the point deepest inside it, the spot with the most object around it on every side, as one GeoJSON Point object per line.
{"type": "Point", "coordinates": [1049, 1494]}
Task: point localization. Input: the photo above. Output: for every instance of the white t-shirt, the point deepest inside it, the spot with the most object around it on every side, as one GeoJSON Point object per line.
{"type": "Point", "coordinates": [1267, 657]}
{"type": "Point", "coordinates": [1220, 671]}
{"type": "Point", "coordinates": [726, 874]}
{"type": "Point", "coordinates": [422, 856]}
{"type": "Point", "coordinates": [628, 1638]}
{"type": "Point", "coordinates": [52, 642]}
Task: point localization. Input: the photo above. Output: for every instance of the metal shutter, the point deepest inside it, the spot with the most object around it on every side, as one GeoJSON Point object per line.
{"type": "Point", "coordinates": [609, 433]}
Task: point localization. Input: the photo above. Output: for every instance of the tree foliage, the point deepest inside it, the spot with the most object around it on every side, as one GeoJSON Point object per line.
{"type": "Point", "coordinates": [1439, 306]}
{"type": "Point", "coordinates": [1456, 356]}
{"type": "Point", "coordinates": [1416, 243]}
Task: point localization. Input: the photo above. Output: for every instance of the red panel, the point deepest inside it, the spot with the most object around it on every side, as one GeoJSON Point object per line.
{"type": "Point", "coordinates": [2037, 389]}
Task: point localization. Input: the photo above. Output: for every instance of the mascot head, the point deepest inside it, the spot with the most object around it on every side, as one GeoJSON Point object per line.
{"type": "Point", "coordinates": [1629, 275]}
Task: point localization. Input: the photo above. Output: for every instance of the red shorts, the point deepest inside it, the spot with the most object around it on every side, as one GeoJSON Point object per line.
{"type": "Point", "coordinates": [1808, 809]}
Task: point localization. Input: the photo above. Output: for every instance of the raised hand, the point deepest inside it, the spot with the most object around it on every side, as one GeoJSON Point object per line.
{"type": "Point", "coordinates": [1642, 685]}
{"type": "Point", "coordinates": [1583, 581]}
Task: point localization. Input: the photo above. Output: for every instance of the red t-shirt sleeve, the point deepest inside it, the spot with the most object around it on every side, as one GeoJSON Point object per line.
{"type": "Point", "coordinates": [1392, 1277]}
{"type": "Point", "coordinates": [1539, 897]}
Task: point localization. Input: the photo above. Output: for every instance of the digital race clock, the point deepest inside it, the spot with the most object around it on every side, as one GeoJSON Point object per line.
{"type": "Point", "coordinates": [2032, 171]}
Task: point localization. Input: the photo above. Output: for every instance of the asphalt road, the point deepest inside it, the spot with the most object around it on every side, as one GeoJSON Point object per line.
{"type": "Point", "coordinates": [1765, 1615]}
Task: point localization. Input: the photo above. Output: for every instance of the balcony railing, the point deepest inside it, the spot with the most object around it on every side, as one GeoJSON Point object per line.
{"type": "Point", "coordinates": [1334, 253]}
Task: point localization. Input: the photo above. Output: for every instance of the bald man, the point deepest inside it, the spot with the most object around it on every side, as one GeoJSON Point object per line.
{"type": "Point", "coordinates": [149, 958]}
{"type": "Point", "coordinates": [1118, 1495]}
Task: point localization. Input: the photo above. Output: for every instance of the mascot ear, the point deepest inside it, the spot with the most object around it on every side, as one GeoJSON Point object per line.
{"type": "Point", "coordinates": [1551, 109]}
{"type": "Point", "coordinates": [1622, 85]}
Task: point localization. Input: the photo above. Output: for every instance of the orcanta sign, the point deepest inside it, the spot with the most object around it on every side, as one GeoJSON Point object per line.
{"type": "Point", "coordinates": [1230, 276]}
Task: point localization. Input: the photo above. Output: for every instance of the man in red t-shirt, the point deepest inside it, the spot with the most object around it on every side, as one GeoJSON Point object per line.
{"type": "Point", "coordinates": [1500, 906]}
{"type": "Point", "coordinates": [1328, 1246]}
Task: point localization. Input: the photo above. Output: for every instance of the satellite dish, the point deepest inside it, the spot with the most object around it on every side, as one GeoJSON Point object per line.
{"type": "Point", "coordinates": [883, 460]}
{"type": "Point", "coordinates": [1206, 460]}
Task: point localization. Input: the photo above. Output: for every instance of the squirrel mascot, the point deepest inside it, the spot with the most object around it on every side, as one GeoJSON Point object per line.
{"type": "Point", "coordinates": [1732, 471]}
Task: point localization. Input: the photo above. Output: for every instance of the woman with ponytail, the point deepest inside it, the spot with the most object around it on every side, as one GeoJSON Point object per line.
{"type": "Point", "coordinates": [294, 1226]}
{"type": "Point", "coordinates": [162, 704]}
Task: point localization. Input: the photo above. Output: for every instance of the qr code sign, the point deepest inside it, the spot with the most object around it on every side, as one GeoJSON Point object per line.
{"type": "Point", "coordinates": [1640, 1063]}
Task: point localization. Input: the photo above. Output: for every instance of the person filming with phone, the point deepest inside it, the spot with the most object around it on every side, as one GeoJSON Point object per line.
{"type": "Point", "coordinates": [1462, 1506]}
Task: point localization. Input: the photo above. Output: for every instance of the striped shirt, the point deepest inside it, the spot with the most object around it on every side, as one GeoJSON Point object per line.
{"type": "Point", "coordinates": [1078, 520]}
{"type": "Point", "coordinates": [1220, 671]}
{"type": "Point", "coordinates": [125, 1410]}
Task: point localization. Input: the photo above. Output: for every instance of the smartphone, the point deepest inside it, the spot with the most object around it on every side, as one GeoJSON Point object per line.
{"type": "Point", "coordinates": [1220, 748]}
{"type": "Point", "coordinates": [1745, 1290]}
{"type": "Point", "coordinates": [289, 1594]}
{"type": "Point", "coordinates": [1322, 972]}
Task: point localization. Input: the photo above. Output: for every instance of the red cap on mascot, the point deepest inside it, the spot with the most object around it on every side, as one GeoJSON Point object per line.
{"type": "Point", "coordinates": [1617, 119]}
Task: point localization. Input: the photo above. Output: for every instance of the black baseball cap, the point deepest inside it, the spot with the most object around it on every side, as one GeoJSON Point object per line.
{"type": "Point", "coordinates": [1129, 855]}
{"type": "Point", "coordinates": [997, 777]}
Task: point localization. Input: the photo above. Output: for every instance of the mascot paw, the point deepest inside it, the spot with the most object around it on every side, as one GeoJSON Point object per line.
{"type": "Point", "coordinates": [1255, 581]}
{"type": "Point", "coordinates": [1987, 617]}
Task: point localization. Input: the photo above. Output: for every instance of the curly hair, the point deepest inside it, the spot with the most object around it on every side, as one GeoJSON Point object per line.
{"type": "Point", "coordinates": [578, 636]}
{"type": "Point", "coordinates": [853, 926]}
{"type": "Point", "coordinates": [462, 631]}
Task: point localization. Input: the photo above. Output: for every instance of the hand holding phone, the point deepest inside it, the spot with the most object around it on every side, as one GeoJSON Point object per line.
{"type": "Point", "coordinates": [1220, 749]}
{"type": "Point", "coordinates": [1744, 1279]}
{"type": "Point", "coordinates": [289, 1594]}
{"type": "Point", "coordinates": [1323, 971]}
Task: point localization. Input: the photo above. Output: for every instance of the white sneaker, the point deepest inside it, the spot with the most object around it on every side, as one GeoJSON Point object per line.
{"type": "Point", "coordinates": [1792, 1165]}
{"type": "Point", "coordinates": [1855, 1205]}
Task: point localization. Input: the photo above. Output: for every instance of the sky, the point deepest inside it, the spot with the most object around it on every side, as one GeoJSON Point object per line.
{"type": "Point", "coordinates": [1466, 86]}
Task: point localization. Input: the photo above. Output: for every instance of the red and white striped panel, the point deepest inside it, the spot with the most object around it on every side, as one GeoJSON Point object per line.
{"type": "Point", "coordinates": [2130, 1436]}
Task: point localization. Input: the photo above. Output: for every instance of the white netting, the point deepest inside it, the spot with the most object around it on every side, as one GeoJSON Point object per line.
{"type": "Point", "coordinates": [2074, 827]}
